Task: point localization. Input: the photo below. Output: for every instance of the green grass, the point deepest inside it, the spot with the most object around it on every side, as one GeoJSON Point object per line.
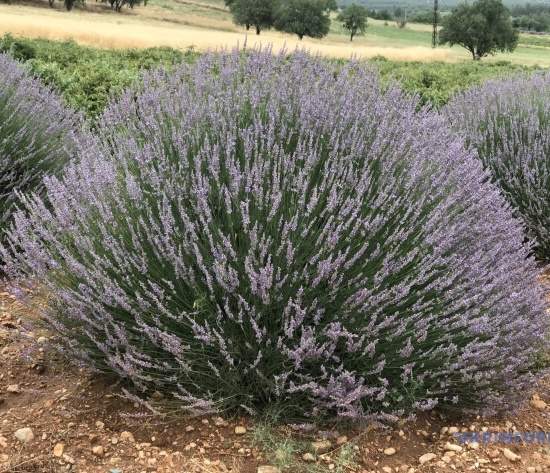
{"type": "Point", "coordinates": [284, 450]}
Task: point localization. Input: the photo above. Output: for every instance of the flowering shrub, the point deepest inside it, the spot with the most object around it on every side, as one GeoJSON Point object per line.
{"type": "Point", "coordinates": [34, 135]}
{"type": "Point", "coordinates": [259, 230]}
{"type": "Point", "coordinates": [508, 124]}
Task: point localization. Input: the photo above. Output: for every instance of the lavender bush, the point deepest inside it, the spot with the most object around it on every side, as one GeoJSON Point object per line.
{"type": "Point", "coordinates": [35, 130]}
{"type": "Point", "coordinates": [259, 230]}
{"type": "Point", "coordinates": [508, 124]}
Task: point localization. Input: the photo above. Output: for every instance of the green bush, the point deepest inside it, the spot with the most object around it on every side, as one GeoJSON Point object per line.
{"type": "Point", "coordinates": [436, 82]}
{"type": "Point", "coordinates": [88, 77]}
{"type": "Point", "coordinates": [269, 233]}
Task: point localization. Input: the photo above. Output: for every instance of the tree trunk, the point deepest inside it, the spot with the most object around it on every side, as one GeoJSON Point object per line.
{"type": "Point", "coordinates": [301, 36]}
{"type": "Point", "coordinates": [257, 29]}
{"type": "Point", "coordinates": [351, 36]}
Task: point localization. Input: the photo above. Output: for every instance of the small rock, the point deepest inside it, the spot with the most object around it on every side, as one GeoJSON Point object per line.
{"type": "Point", "coordinates": [41, 340]}
{"type": "Point", "coordinates": [321, 446]}
{"type": "Point", "coordinates": [220, 422]}
{"type": "Point", "coordinates": [127, 436]}
{"type": "Point", "coordinates": [99, 425]}
{"type": "Point", "coordinates": [98, 451]}
{"type": "Point", "coordinates": [427, 457]}
{"type": "Point", "coordinates": [68, 459]}
{"type": "Point", "coordinates": [511, 455]}
{"type": "Point", "coordinates": [387, 469]}
{"type": "Point", "coordinates": [389, 451]}
{"type": "Point", "coordinates": [493, 453]}
{"type": "Point", "coordinates": [538, 403]}
{"type": "Point", "coordinates": [452, 430]}
{"type": "Point", "coordinates": [268, 469]}
{"type": "Point", "coordinates": [452, 447]}
{"type": "Point", "coordinates": [473, 446]}
{"type": "Point", "coordinates": [58, 450]}
{"type": "Point", "coordinates": [341, 440]}
{"type": "Point", "coordinates": [240, 430]}
{"type": "Point", "coordinates": [444, 430]}
{"type": "Point", "coordinates": [190, 446]}
{"type": "Point", "coordinates": [24, 435]}
{"type": "Point", "coordinates": [531, 469]}
{"type": "Point", "coordinates": [13, 389]}
{"type": "Point", "coordinates": [3, 442]}
{"type": "Point", "coordinates": [189, 428]}
{"type": "Point", "coordinates": [308, 457]}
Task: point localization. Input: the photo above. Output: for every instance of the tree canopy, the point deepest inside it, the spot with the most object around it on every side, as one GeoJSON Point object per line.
{"type": "Point", "coordinates": [482, 28]}
{"type": "Point", "coordinates": [304, 17]}
{"type": "Point", "coordinates": [354, 19]}
{"type": "Point", "coordinates": [257, 13]}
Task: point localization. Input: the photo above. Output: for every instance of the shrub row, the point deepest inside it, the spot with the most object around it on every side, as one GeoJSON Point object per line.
{"type": "Point", "coordinates": [88, 77]}
{"type": "Point", "coordinates": [254, 231]}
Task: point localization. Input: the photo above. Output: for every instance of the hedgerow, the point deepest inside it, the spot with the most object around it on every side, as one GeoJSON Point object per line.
{"type": "Point", "coordinates": [88, 77]}
{"type": "Point", "coordinates": [252, 231]}
{"type": "Point", "coordinates": [508, 125]}
{"type": "Point", "coordinates": [35, 135]}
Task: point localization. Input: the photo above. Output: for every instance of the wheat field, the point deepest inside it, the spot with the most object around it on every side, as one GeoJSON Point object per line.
{"type": "Point", "coordinates": [206, 25]}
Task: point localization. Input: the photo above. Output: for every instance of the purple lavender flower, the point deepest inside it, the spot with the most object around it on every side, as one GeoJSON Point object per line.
{"type": "Point", "coordinates": [256, 229]}
{"type": "Point", "coordinates": [507, 123]}
{"type": "Point", "coordinates": [35, 136]}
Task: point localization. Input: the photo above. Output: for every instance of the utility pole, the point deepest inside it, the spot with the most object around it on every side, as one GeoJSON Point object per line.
{"type": "Point", "coordinates": [435, 22]}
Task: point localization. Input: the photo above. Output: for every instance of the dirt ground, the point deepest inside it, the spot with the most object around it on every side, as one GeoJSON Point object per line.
{"type": "Point", "coordinates": [79, 423]}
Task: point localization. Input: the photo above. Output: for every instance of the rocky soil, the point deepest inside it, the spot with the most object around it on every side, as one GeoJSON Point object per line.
{"type": "Point", "coordinates": [57, 418]}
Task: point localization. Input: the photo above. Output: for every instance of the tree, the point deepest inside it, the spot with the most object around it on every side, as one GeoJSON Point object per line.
{"type": "Point", "coordinates": [258, 13]}
{"type": "Point", "coordinates": [482, 28]}
{"type": "Point", "coordinates": [400, 15]}
{"type": "Point", "coordinates": [304, 17]}
{"type": "Point", "coordinates": [354, 19]}
{"type": "Point", "coordinates": [380, 15]}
